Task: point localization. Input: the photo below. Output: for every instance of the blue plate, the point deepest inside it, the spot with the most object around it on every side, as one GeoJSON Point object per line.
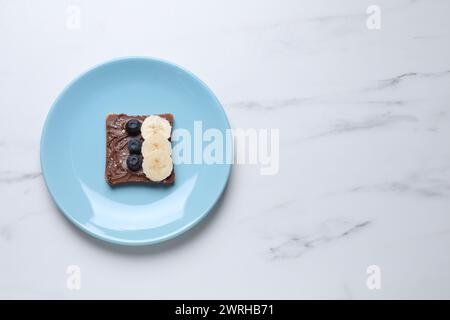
{"type": "Point", "coordinates": [73, 152]}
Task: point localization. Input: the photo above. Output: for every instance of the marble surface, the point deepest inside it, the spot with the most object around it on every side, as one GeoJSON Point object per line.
{"type": "Point", "coordinates": [364, 119]}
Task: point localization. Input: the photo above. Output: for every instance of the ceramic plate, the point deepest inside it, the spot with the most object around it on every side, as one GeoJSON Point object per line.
{"type": "Point", "coordinates": [73, 152]}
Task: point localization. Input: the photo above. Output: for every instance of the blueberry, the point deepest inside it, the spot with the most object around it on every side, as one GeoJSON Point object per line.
{"type": "Point", "coordinates": [134, 145]}
{"type": "Point", "coordinates": [134, 162]}
{"type": "Point", "coordinates": [133, 127]}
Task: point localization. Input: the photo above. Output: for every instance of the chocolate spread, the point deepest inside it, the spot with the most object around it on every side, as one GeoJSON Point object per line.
{"type": "Point", "coordinates": [116, 171]}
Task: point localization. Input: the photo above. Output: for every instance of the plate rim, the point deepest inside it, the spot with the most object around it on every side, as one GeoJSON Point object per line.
{"type": "Point", "coordinates": [108, 238]}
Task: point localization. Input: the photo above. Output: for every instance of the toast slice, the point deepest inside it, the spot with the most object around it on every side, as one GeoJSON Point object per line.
{"type": "Point", "coordinates": [117, 137]}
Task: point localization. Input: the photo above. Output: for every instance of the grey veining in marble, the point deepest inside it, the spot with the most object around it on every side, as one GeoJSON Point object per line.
{"type": "Point", "coordinates": [12, 177]}
{"type": "Point", "coordinates": [397, 79]}
{"type": "Point", "coordinates": [296, 245]}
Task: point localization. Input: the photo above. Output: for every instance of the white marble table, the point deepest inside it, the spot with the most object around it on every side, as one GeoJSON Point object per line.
{"type": "Point", "coordinates": [364, 119]}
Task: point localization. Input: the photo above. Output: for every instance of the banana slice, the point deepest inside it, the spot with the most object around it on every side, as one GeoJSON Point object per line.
{"type": "Point", "coordinates": [156, 142]}
{"type": "Point", "coordinates": [154, 125]}
{"type": "Point", "coordinates": [157, 165]}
